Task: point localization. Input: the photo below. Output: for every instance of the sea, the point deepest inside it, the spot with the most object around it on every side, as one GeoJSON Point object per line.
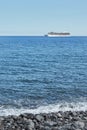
{"type": "Point", "coordinates": [42, 74]}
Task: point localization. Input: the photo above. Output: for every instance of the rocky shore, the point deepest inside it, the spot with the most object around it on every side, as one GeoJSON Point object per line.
{"type": "Point", "coordinates": [52, 121]}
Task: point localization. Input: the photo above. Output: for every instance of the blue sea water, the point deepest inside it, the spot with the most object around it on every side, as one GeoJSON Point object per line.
{"type": "Point", "coordinates": [42, 74]}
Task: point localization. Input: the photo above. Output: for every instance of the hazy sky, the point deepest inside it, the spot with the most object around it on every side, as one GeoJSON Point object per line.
{"type": "Point", "coordinates": [36, 17]}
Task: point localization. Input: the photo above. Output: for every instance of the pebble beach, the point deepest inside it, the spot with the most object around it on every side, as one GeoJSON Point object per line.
{"type": "Point", "coordinates": [52, 121]}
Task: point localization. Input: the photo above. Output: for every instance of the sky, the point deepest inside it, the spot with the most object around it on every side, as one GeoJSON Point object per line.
{"type": "Point", "coordinates": [38, 17]}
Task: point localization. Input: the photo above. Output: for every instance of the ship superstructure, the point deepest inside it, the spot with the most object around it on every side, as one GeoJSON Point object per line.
{"type": "Point", "coordinates": [55, 34]}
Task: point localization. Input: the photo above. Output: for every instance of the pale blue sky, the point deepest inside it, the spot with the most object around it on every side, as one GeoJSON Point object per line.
{"type": "Point", "coordinates": [38, 17]}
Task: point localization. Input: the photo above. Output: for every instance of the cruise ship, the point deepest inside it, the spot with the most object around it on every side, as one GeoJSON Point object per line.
{"type": "Point", "coordinates": [55, 34]}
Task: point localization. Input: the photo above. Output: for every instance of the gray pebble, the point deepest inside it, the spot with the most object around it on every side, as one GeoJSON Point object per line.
{"type": "Point", "coordinates": [39, 118]}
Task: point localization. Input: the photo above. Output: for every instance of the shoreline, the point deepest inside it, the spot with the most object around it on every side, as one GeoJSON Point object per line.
{"type": "Point", "coordinates": [68, 120]}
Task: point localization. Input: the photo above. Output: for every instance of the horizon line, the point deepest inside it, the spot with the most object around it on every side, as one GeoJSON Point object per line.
{"type": "Point", "coordinates": [39, 35]}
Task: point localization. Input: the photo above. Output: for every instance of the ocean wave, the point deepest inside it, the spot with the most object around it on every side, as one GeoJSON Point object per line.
{"type": "Point", "coordinates": [80, 106]}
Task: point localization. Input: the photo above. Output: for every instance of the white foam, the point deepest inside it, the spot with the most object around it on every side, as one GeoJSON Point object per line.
{"type": "Point", "coordinates": [81, 106]}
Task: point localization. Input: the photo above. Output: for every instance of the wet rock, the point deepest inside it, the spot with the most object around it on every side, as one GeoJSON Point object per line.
{"type": "Point", "coordinates": [30, 124]}
{"type": "Point", "coordinates": [39, 118]}
{"type": "Point", "coordinates": [50, 123]}
{"type": "Point", "coordinates": [59, 115]}
{"type": "Point", "coordinates": [80, 124]}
